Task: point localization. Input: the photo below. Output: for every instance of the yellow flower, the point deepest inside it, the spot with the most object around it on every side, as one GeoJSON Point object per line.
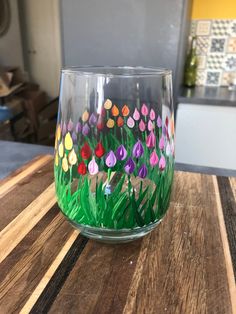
{"type": "Point", "coordinates": [110, 123]}
{"type": "Point", "coordinates": [56, 161]}
{"type": "Point", "coordinates": [65, 166]}
{"type": "Point", "coordinates": [56, 142]}
{"type": "Point", "coordinates": [72, 158]}
{"type": "Point", "coordinates": [85, 116]}
{"type": "Point", "coordinates": [68, 141]}
{"type": "Point", "coordinates": [108, 104]}
{"type": "Point", "coordinates": [61, 150]}
{"type": "Point", "coordinates": [58, 132]}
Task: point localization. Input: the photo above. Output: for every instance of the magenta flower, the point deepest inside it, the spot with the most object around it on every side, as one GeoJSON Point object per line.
{"type": "Point", "coordinates": [151, 140]}
{"type": "Point", "coordinates": [130, 122]}
{"type": "Point", "coordinates": [110, 159]}
{"type": "Point", "coordinates": [152, 115]}
{"type": "Point", "coordinates": [70, 125]}
{"type": "Point", "coordinates": [144, 110]}
{"type": "Point", "coordinates": [154, 159]}
{"type": "Point", "coordinates": [162, 163]}
{"type": "Point", "coordinates": [93, 119]}
{"type": "Point", "coordinates": [85, 130]}
{"type": "Point", "coordinates": [142, 172]}
{"type": "Point", "coordinates": [64, 129]}
{"type": "Point", "coordinates": [142, 126]}
{"type": "Point", "coordinates": [150, 125]}
{"type": "Point", "coordinates": [74, 137]}
{"type": "Point", "coordinates": [121, 153]}
{"type": "Point", "coordinates": [159, 122]}
{"type": "Point", "coordinates": [93, 167]}
{"type": "Point", "coordinates": [78, 127]}
{"type": "Point", "coordinates": [136, 114]}
{"type": "Point", "coordinates": [138, 149]}
{"type": "Point", "coordinates": [129, 166]}
{"type": "Point", "coordinates": [162, 142]}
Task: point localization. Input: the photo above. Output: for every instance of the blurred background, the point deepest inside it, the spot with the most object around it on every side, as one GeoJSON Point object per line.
{"type": "Point", "coordinates": [195, 38]}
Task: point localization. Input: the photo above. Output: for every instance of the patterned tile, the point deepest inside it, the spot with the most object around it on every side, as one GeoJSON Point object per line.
{"type": "Point", "coordinates": [203, 27]}
{"type": "Point", "coordinates": [203, 43]}
{"type": "Point", "coordinates": [215, 61]}
{"type": "Point", "coordinates": [201, 78]}
{"type": "Point", "coordinates": [230, 62]}
{"type": "Point", "coordinates": [220, 27]}
{"type": "Point", "coordinates": [217, 44]}
{"type": "Point", "coordinates": [193, 28]}
{"type": "Point", "coordinates": [231, 45]}
{"type": "Point", "coordinates": [232, 28]}
{"type": "Point", "coordinates": [227, 78]}
{"type": "Point", "coordinates": [213, 78]}
{"type": "Point", "coordinates": [202, 62]}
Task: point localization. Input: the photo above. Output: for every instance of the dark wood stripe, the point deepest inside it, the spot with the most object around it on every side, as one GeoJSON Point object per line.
{"type": "Point", "coordinates": [51, 291]}
{"type": "Point", "coordinates": [229, 210]}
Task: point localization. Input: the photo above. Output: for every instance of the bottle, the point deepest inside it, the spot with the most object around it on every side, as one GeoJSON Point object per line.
{"type": "Point", "coordinates": [190, 71]}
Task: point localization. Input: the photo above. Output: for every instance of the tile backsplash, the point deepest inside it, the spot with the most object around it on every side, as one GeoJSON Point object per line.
{"type": "Point", "coordinates": [216, 50]}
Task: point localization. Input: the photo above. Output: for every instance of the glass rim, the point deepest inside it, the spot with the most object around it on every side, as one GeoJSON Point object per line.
{"type": "Point", "coordinates": [122, 71]}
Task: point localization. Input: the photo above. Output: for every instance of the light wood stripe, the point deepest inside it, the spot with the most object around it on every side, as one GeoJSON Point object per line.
{"type": "Point", "coordinates": [10, 184]}
{"type": "Point", "coordinates": [16, 230]}
{"type": "Point", "coordinates": [48, 275]}
{"type": "Point", "coordinates": [228, 260]}
{"type": "Point", "coordinates": [233, 186]}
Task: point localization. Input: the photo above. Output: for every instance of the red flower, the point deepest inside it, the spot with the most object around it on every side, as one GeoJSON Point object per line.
{"type": "Point", "coordinates": [99, 150]}
{"type": "Point", "coordinates": [167, 121]}
{"type": "Point", "coordinates": [86, 151]}
{"type": "Point", "coordinates": [100, 125]}
{"type": "Point", "coordinates": [82, 168]}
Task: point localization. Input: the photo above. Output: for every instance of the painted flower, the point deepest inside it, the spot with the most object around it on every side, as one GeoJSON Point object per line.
{"type": "Point", "coordinates": [93, 167]}
{"type": "Point", "coordinates": [154, 159]}
{"type": "Point", "coordinates": [162, 163]}
{"type": "Point", "coordinates": [85, 116]}
{"type": "Point", "coordinates": [108, 104]}
{"type": "Point", "coordinates": [136, 114]}
{"type": "Point", "coordinates": [68, 141]}
{"type": "Point", "coordinates": [56, 159]}
{"type": "Point", "coordinates": [159, 122]}
{"type": "Point", "coordinates": [121, 153]}
{"type": "Point", "coordinates": [74, 137]}
{"type": "Point", "coordinates": [58, 132]}
{"type": "Point", "coordinates": [99, 150]}
{"type": "Point", "coordinates": [120, 122]}
{"type": "Point", "coordinates": [129, 166]}
{"type": "Point", "coordinates": [125, 111]}
{"type": "Point", "coordinates": [85, 151]}
{"type": "Point", "coordinates": [150, 125]}
{"type": "Point", "coordinates": [110, 123]}
{"type": "Point", "coordinates": [162, 142]}
{"type": "Point", "coordinates": [152, 115]}
{"type": "Point", "coordinates": [70, 125]}
{"type": "Point", "coordinates": [64, 164]}
{"type": "Point", "coordinates": [85, 129]}
{"type": "Point", "coordinates": [93, 119]}
{"type": "Point", "coordinates": [167, 121]}
{"type": "Point", "coordinates": [78, 127]}
{"type": "Point", "coordinates": [172, 148]}
{"type": "Point", "coordinates": [151, 140]}
{"type": "Point", "coordinates": [64, 129]}
{"type": "Point", "coordinates": [100, 124]}
{"type": "Point", "coordinates": [110, 159]}
{"type": "Point", "coordinates": [61, 150]}
{"type": "Point", "coordinates": [82, 168]}
{"type": "Point", "coordinates": [144, 110]}
{"type": "Point", "coordinates": [142, 172]}
{"type": "Point", "coordinates": [138, 149]}
{"type": "Point", "coordinates": [142, 126]}
{"type": "Point", "coordinates": [72, 158]}
{"type": "Point", "coordinates": [115, 111]}
{"type": "Point", "coordinates": [130, 122]}
{"type": "Point", "coordinates": [168, 149]}
{"type": "Point", "coordinates": [172, 126]}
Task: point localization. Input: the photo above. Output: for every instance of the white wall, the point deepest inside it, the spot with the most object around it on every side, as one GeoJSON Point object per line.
{"type": "Point", "coordinates": [10, 44]}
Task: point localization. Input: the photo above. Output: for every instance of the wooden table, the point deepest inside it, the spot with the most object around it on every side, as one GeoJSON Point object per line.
{"type": "Point", "coordinates": [183, 266]}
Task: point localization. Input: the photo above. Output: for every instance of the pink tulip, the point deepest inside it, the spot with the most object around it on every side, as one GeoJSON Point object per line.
{"type": "Point", "coordinates": [142, 126]}
{"type": "Point", "coordinates": [168, 149]}
{"type": "Point", "coordinates": [162, 163]}
{"type": "Point", "coordinates": [159, 122]}
{"type": "Point", "coordinates": [154, 159]}
{"type": "Point", "coordinates": [152, 115]}
{"type": "Point", "coordinates": [162, 142]}
{"type": "Point", "coordinates": [93, 167]}
{"type": "Point", "coordinates": [151, 140]}
{"type": "Point", "coordinates": [150, 125]}
{"type": "Point", "coordinates": [130, 122]}
{"type": "Point", "coordinates": [136, 114]}
{"type": "Point", "coordinates": [144, 110]}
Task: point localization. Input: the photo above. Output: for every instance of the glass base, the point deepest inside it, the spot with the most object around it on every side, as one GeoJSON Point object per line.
{"type": "Point", "coordinates": [114, 236]}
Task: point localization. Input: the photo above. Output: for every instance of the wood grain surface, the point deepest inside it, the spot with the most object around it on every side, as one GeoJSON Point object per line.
{"type": "Point", "coordinates": [183, 266]}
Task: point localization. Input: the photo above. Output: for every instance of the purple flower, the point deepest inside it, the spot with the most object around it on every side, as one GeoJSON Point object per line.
{"type": "Point", "coordinates": [162, 163]}
{"type": "Point", "coordinates": [64, 129]}
{"type": "Point", "coordinates": [70, 125]}
{"type": "Point", "coordinates": [151, 140]}
{"type": "Point", "coordinates": [142, 172]}
{"type": "Point", "coordinates": [162, 142]}
{"type": "Point", "coordinates": [121, 152]}
{"type": "Point", "coordinates": [93, 119]}
{"type": "Point", "coordinates": [159, 122]}
{"type": "Point", "coordinates": [110, 159]}
{"type": "Point", "coordinates": [78, 127]}
{"type": "Point", "coordinates": [129, 166]}
{"type": "Point", "coordinates": [138, 149]}
{"type": "Point", "coordinates": [85, 130]}
{"type": "Point", "coordinates": [74, 137]}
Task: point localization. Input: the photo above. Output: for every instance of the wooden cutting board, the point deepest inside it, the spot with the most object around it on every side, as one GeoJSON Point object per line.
{"type": "Point", "coordinates": [184, 266]}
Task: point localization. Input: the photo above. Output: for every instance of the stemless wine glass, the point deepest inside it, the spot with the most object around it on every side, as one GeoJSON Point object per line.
{"type": "Point", "coordinates": [114, 150]}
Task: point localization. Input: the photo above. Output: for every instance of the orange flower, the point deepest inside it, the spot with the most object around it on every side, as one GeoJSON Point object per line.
{"type": "Point", "coordinates": [125, 110]}
{"type": "Point", "coordinates": [115, 111]}
{"type": "Point", "coordinates": [120, 121]}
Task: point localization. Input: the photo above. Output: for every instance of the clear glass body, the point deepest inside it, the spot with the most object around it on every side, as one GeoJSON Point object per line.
{"type": "Point", "coordinates": [114, 150]}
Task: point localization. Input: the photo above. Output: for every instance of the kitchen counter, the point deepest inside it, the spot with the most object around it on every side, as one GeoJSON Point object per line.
{"type": "Point", "coordinates": [207, 95]}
